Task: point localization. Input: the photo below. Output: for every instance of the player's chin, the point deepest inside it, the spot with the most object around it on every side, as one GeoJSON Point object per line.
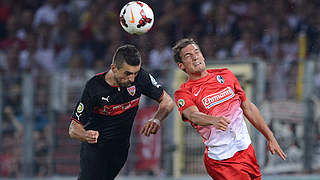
{"type": "Point", "coordinates": [126, 85]}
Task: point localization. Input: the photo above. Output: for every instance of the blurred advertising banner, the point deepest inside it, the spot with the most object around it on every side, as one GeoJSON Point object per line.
{"type": "Point", "coordinates": [148, 149]}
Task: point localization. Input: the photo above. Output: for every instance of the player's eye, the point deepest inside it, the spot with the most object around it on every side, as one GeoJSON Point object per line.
{"type": "Point", "coordinates": [131, 73]}
{"type": "Point", "coordinates": [187, 56]}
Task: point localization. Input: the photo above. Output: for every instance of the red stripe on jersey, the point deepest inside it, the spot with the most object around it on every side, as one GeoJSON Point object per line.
{"type": "Point", "coordinates": [100, 73]}
{"type": "Point", "coordinates": [76, 121]}
{"type": "Point", "coordinates": [116, 109]}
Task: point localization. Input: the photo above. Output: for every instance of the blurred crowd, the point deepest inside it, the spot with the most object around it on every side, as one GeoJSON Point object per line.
{"type": "Point", "coordinates": [74, 37]}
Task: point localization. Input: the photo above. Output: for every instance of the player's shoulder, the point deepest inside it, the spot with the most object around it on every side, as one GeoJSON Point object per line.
{"type": "Point", "coordinates": [220, 71]}
{"type": "Point", "coordinates": [143, 72]}
{"type": "Point", "coordinates": [92, 82]}
{"type": "Point", "coordinates": [142, 75]}
{"type": "Point", "coordinates": [145, 76]}
{"type": "Point", "coordinates": [183, 89]}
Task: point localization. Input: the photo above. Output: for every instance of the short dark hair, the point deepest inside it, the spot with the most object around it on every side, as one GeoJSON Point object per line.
{"type": "Point", "coordinates": [127, 53]}
{"type": "Point", "coordinates": [180, 45]}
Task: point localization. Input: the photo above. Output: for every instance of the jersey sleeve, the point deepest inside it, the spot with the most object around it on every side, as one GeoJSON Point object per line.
{"type": "Point", "coordinates": [150, 87]}
{"type": "Point", "coordinates": [183, 100]}
{"type": "Point", "coordinates": [238, 88]}
{"type": "Point", "coordinates": [84, 107]}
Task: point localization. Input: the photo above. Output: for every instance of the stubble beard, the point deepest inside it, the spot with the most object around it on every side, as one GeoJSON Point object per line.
{"type": "Point", "coordinates": [125, 85]}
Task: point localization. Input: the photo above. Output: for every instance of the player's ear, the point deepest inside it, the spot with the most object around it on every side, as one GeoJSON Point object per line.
{"type": "Point", "coordinates": [113, 68]}
{"type": "Point", "coordinates": [181, 66]}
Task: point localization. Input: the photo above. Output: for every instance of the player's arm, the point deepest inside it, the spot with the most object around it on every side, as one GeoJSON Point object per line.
{"type": "Point", "coordinates": [77, 132]}
{"type": "Point", "coordinates": [193, 114]}
{"type": "Point", "coordinates": [254, 116]}
{"type": "Point", "coordinates": [165, 107]}
{"type": "Point", "coordinates": [81, 116]}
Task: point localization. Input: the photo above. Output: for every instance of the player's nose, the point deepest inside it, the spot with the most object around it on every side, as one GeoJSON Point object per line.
{"type": "Point", "coordinates": [131, 78]}
{"type": "Point", "coordinates": [194, 57]}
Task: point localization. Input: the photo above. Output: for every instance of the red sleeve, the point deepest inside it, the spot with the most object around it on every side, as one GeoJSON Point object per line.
{"type": "Point", "coordinates": [183, 100]}
{"type": "Point", "coordinates": [238, 89]}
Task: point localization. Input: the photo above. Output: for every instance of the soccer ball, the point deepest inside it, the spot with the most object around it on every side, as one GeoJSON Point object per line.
{"type": "Point", "coordinates": [136, 17]}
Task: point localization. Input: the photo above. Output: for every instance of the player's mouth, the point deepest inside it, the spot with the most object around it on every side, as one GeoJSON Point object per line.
{"type": "Point", "coordinates": [197, 63]}
{"type": "Point", "coordinates": [128, 84]}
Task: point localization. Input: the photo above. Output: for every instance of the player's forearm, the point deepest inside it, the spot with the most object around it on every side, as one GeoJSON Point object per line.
{"type": "Point", "coordinates": [254, 116]}
{"type": "Point", "coordinates": [165, 107]}
{"type": "Point", "coordinates": [262, 127]}
{"type": "Point", "coordinates": [77, 132]}
{"type": "Point", "coordinates": [201, 119]}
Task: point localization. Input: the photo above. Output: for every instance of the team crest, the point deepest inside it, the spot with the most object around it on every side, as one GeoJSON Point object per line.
{"type": "Point", "coordinates": [131, 90]}
{"type": "Point", "coordinates": [181, 103]}
{"type": "Point", "coordinates": [80, 108]}
{"type": "Point", "coordinates": [220, 79]}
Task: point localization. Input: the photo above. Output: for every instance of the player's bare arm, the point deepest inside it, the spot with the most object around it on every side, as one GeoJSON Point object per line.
{"type": "Point", "coordinates": [254, 116]}
{"type": "Point", "coordinates": [76, 131]}
{"type": "Point", "coordinates": [193, 114]}
{"type": "Point", "coordinates": [165, 107]}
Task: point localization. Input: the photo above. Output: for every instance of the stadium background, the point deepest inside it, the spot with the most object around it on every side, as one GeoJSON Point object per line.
{"type": "Point", "coordinates": [49, 48]}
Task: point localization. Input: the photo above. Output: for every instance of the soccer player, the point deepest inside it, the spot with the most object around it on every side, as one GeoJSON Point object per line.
{"type": "Point", "coordinates": [214, 103]}
{"type": "Point", "coordinates": [104, 115]}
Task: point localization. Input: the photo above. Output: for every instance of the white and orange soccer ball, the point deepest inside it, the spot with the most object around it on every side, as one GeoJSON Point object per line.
{"type": "Point", "coordinates": [136, 17]}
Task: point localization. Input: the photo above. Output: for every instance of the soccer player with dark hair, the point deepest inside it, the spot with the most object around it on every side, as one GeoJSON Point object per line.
{"type": "Point", "coordinates": [214, 103]}
{"type": "Point", "coordinates": [104, 115]}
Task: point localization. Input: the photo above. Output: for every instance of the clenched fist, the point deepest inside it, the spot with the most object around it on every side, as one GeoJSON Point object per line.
{"type": "Point", "coordinates": [221, 123]}
{"type": "Point", "coordinates": [92, 136]}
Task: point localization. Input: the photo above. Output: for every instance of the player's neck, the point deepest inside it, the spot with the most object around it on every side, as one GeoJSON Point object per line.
{"type": "Point", "coordinates": [109, 78]}
{"type": "Point", "coordinates": [195, 76]}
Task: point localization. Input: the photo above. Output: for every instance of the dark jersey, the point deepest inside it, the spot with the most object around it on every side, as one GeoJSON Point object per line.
{"type": "Point", "coordinates": [111, 110]}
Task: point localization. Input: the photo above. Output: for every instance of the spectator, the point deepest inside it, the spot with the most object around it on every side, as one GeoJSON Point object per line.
{"type": "Point", "coordinates": [209, 46]}
{"type": "Point", "coordinates": [160, 56]}
{"type": "Point", "coordinates": [99, 66]}
{"type": "Point", "coordinates": [72, 79]}
{"type": "Point", "coordinates": [11, 70]}
{"type": "Point", "coordinates": [41, 149]}
{"type": "Point", "coordinates": [47, 13]}
{"type": "Point", "coordinates": [74, 46]}
{"type": "Point", "coordinates": [5, 10]}
{"type": "Point", "coordinates": [45, 51]}
{"type": "Point", "coordinates": [60, 31]}
{"type": "Point", "coordinates": [11, 38]}
{"type": "Point", "coordinates": [10, 156]}
{"type": "Point", "coordinates": [28, 58]}
{"type": "Point", "coordinates": [25, 24]}
{"type": "Point", "coordinates": [77, 7]}
{"type": "Point", "coordinates": [11, 123]}
{"type": "Point", "coordinates": [247, 46]}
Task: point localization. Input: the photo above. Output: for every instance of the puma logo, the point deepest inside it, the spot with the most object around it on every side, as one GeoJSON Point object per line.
{"type": "Point", "coordinates": [105, 99]}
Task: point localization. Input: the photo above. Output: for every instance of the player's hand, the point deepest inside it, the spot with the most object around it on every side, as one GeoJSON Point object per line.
{"type": "Point", "coordinates": [274, 147]}
{"type": "Point", "coordinates": [92, 136]}
{"type": "Point", "coordinates": [150, 127]}
{"type": "Point", "coordinates": [221, 123]}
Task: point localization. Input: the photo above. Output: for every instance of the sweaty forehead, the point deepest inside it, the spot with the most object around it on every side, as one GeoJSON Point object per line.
{"type": "Point", "coordinates": [188, 49]}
